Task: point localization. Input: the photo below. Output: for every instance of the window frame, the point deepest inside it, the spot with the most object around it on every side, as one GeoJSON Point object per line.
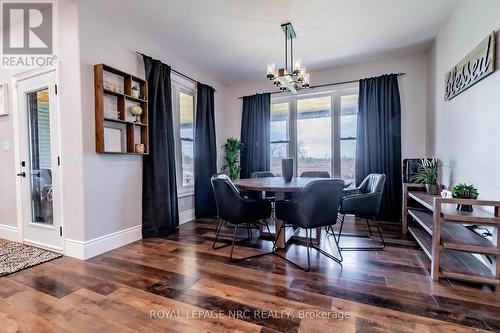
{"type": "Point", "coordinates": [335, 130]}
{"type": "Point", "coordinates": [289, 133]}
{"type": "Point", "coordinates": [180, 85]}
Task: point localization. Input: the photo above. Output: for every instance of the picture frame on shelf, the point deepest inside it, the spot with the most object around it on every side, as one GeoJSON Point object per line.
{"type": "Point", "coordinates": [115, 138]}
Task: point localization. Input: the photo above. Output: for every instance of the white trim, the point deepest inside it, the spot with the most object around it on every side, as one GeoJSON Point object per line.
{"type": "Point", "coordinates": [186, 216]}
{"type": "Point", "coordinates": [185, 194]}
{"type": "Point", "coordinates": [9, 232]}
{"type": "Point", "coordinates": [43, 246]}
{"type": "Point", "coordinates": [15, 80]}
{"type": "Point", "coordinates": [87, 249]}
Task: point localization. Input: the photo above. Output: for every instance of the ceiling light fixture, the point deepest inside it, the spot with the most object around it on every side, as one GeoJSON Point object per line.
{"type": "Point", "coordinates": [291, 78]}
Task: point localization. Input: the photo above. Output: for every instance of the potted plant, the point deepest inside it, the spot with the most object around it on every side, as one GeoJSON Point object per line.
{"type": "Point", "coordinates": [232, 148]}
{"type": "Point", "coordinates": [464, 191]}
{"type": "Point", "coordinates": [428, 174]}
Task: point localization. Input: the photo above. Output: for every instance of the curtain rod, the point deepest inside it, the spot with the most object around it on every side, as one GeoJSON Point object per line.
{"type": "Point", "coordinates": [322, 85]}
{"type": "Point", "coordinates": [175, 71]}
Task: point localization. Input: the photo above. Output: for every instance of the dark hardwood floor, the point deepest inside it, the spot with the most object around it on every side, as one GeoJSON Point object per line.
{"type": "Point", "coordinates": [180, 284]}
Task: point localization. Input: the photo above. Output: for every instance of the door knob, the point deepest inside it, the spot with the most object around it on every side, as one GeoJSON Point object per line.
{"type": "Point", "coordinates": [22, 174]}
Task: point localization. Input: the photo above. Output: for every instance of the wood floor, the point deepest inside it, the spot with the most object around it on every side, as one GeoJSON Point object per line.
{"type": "Point", "coordinates": [181, 284]}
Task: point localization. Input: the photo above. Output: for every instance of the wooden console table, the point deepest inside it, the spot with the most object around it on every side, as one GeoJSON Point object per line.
{"type": "Point", "coordinates": [439, 229]}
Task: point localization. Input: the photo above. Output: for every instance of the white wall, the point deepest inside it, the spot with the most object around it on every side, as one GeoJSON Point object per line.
{"type": "Point", "coordinates": [412, 90]}
{"type": "Point", "coordinates": [113, 183]}
{"type": "Point", "coordinates": [67, 52]}
{"type": "Point", "coordinates": [467, 127]}
{"type": "Point", "coordinates": [7, 166]}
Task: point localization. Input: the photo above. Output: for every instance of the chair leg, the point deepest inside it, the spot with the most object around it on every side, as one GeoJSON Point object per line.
{"type": "Point", "coordinates": [217, 231]}
{"type": "Point", "coordinates": [328, 255]}
{"type": "Point", "coordinates": [309, 245]}
{"type": "Point", "coordinates": [341, 226]}
{"type": "Point", "coordinates": [232, 247]}
{"type": "Point", "coordinates": [249, 233]}
{"type": "Point", "coordinates": [371, 248]}
{"type": "Point", "coordinates": [231, 260]}
{"type": "Point", "coordinates": [369, 229]}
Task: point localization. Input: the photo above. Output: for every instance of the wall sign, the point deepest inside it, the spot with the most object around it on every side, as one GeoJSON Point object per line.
{"type": "Point", "coordinates": [478, 64]}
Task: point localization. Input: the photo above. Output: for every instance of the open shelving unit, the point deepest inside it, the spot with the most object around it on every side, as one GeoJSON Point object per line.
{"type": "Point", "coordinates": [438, 227]}
{"type": "Point", "coordinates": [135, 132]}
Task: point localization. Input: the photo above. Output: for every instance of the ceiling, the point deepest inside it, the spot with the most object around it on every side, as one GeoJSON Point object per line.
{"type": "Point", "coordinates": [234, 39]}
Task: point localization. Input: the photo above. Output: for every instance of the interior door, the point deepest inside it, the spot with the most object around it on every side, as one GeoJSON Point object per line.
{"type": "Point", "coordinates": [38, 170]}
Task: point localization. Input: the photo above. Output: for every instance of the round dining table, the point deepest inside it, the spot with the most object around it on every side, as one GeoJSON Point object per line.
{"type": "Point", "coordinates": [278, 184]}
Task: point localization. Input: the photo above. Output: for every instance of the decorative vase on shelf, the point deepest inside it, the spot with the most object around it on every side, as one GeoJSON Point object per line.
{"type": "Point", "coordinates": [135, 92]}
{"type": "Point", "coordinates": [287, 169]}
{"type": "Point", "coordinates": [465, 208]}
{"type": "Point", "coordinates": [139, 148]}
{"type": "Point", "coordinates": [136, 111]}
{"type": "Point", "coordinates": [432, 189]}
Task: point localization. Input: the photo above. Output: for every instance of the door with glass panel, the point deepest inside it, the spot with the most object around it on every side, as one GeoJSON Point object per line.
{"type": "Point", "coordinates": [38, 169]}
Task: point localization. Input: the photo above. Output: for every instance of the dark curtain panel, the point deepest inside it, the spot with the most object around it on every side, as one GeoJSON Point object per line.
{"type": "Point", "coordinates": [160, 215]}
{"type": "Point", "coordinates": [255, 132]}
{"type": "Point", "coordinates": [378, 144]}
{"type": "Point", "coordinates": [205, 152]}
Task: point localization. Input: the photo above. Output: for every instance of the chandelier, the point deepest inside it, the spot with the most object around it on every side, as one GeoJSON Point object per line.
{"type": "Point", "coordinates": [293, 76]}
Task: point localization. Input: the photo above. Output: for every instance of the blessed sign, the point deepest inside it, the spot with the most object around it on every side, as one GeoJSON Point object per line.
{"type": "Point", "coordinates": [478, 64]}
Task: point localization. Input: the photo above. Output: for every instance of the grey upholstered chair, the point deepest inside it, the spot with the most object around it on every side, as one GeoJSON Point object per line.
{"type": "Point", "coordinates": [262, 174]}
{"type": "Point", "coordinates": [364, 201]}
{"type": "Point", "coordinates": [239, 210]}
{"type": "Point", "coordinates": [315, 174]}
{"type": "Point", "coordinates": [316, 206]}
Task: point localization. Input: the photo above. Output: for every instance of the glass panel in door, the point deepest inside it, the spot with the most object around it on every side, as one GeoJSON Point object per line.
{"type": "Point", "coordinates": [40, 166]}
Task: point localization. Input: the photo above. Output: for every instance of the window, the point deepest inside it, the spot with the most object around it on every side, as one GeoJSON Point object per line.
{"type": "Point", "coordinates": [280, 142]}
{"type": "Point", "coordinates": [314, 144]}
{"type": "Point", "coordinates": [317, 130]}
{"type": "Point", "coordinates": [183, 103]}
{"type": "Point", "coordinates": [187, 138]}
{"type": "Point", "coordinates": [348, 129]}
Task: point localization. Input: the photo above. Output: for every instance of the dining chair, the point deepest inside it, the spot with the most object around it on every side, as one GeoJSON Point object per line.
{"type": "Point", "coordinates": [239, 210]}
{"type": "Point", "coordinates": [315, 174]}
{"type": "Point", "coordinates": [364, 201]}
{"type": "Point", "coordinates": [316, 206]}
{"type": "Point", "coordinates": [262, 174]}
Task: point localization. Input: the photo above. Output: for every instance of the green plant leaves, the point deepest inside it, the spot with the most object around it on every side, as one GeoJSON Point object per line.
{"type": "Point", "coordinates": [464, 191]}
{"type": "Point", "coordinates": [232, 147]}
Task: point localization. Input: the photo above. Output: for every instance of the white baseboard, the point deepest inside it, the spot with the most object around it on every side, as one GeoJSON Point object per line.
{"type": "Point", "coordinates": [9, 232]}
{"type": "Point", "coordinates": [186, 216]}
{"type": "Point", "coordinates": [43, 246]}
{"type": "Point", "coordinates": [87, 249]}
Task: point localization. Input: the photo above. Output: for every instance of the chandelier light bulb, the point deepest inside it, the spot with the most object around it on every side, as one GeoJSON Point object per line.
{"type": "Point", "coordinates": [305, 84]}
{"type": "Point", "coordinates": [302, 74]}
{"type": "Point", "coordinates": [297, 64]}
{"type": "Point", "coordinates": [270, 70]}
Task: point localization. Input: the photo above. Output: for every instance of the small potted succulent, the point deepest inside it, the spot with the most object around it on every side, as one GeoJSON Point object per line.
{"type": "Point", "coordinates": [464, 191]}
{"type": "Point", "coordinates": [428, 174]}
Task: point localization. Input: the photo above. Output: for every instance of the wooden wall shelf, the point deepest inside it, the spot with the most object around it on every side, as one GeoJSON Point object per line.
{"type": "Point", "coordinates": [133, 132]}
{"type": "Point", "coordinates": [439, 229]}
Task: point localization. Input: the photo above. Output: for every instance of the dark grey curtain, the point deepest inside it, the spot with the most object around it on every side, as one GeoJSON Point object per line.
{"type": "Point", "coordinates": [378, 144]}
{"type": "Point", "coordinates": [205, 153]}
{"type": "Point", "coordinates": [160, 215]}
{"type": "Point", "coordinates": [255, 132]}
